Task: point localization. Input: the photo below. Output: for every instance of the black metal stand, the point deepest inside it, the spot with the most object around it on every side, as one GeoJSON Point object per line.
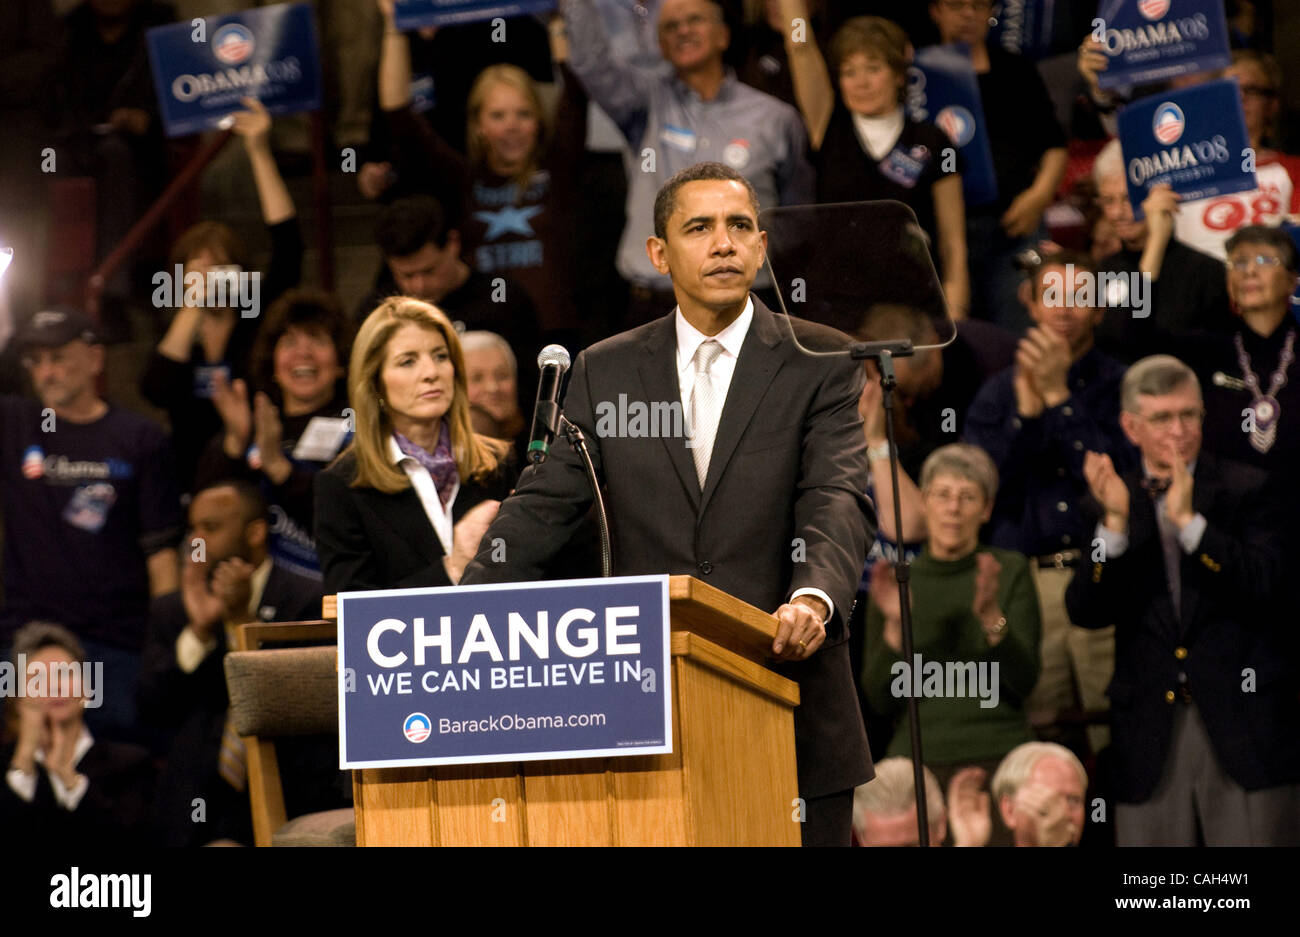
{"type": "Point", "coordinates": [884, 353]}
{"type": "Point", "coordinates": [579, 442]}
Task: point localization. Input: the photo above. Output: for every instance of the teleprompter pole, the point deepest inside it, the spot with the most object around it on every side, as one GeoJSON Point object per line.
{"type": "Point", "coordinates": [884, 353]}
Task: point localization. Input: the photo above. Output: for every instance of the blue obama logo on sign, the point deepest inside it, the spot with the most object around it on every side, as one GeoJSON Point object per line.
{"type": "Point", "coordinates": [416, 727]}
{"type": "Point", "coordinates": [232, 44]}
{"type": "Point", "coordinates": [1153, 9]}
{"type": "Point", "coordinates": [1168, 123]}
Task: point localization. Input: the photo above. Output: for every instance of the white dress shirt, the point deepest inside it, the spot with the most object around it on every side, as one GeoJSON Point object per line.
{"type": "Point", "coordinates": [422, 482]}
{"type": "Point", "coordinates": [1115, 542]}
{"type": "Point", "coordinates": [689, 339]}
{"type": "Point", "coordinates": [23, 783]}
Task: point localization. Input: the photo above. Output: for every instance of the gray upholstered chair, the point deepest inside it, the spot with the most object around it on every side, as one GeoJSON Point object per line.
{"type": "Point", "coordinates": [276, 694]}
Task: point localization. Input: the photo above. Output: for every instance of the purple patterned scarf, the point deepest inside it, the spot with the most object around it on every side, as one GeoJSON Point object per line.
{"type": "Point", "coordinates": [441, 465]}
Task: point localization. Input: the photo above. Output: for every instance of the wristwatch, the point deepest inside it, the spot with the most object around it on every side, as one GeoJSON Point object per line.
{"type": "Point", "coordinates": [878, 452]}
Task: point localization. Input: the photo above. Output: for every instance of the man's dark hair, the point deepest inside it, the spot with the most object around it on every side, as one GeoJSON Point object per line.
{"type": "Point", "coordinates": [405, 226]}
{"type": "Point", "coordinates": [887, 321]}
{"type": "Point", "coordinates": [666, 200]}
{"type": "Point", "coordinates": [1065, 257]}
{"type": "Point", "coordinates": [252, 505]}
{"type": "Point", "coordinates": [1263, 234]}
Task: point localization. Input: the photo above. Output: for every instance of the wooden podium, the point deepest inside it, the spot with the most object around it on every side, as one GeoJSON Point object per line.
{"type": "Point", "coordinates": [730, 779]}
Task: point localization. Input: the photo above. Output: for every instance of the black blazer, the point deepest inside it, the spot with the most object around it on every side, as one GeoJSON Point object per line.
{"type": "Point", "coordinates": [1230, 628]}
{"type": "Point", "coordinates": [192, 706]}
{"type": "Point", "coordinates": [370, 540]}
{"type": "Point", "coordinates": [789, 461]}
{"type": "Point", "coordinates": [111, 814]}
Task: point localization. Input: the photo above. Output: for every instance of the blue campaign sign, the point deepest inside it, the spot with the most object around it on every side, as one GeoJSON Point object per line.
{"type": "Point", "coordinates": [1024, 27]}
{"type": "Point", "coordinates": [268, 53]}
{"type": "Point", "coordinates": [1193, 140]}
{"type": "Point", "coordinates": [1155, 40]}
{"type": "Point", "coordinates": [519, 672]}
{"type": "Point", "coordinates": [413, 14]}
{"type": "Point", "coordinates": [942, 89]}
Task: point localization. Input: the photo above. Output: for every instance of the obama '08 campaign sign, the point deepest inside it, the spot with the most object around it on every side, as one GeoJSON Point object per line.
{"type": "Point", "coordinates": [202, 68]}
{"type": "Point", "coordinates": [413, 14]}
{"type": "Point", "coordinates": [1155, 40]}
{"type": "Point", "coordinates": [1193, 140]}
{"type": "Point", "coordinates": [520, 672]}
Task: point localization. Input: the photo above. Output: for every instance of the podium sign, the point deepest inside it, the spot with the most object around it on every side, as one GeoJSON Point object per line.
{"type": "Point", "coordinates": [504, 673]}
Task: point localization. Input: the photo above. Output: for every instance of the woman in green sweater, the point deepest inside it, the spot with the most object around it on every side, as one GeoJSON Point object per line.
{"type": "Point", "coordinates": [975, 625]}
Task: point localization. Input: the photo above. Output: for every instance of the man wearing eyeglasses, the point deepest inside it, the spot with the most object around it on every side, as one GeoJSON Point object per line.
{"type": "Point", "coordinates": [1187, 564]}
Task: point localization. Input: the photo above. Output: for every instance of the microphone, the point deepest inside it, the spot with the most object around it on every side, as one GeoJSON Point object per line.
{"type": "Point", "coordinates": [552, 362]}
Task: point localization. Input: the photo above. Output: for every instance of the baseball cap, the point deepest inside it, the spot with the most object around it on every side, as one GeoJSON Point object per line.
{"type": "Point", "coordinates": [50, 328]}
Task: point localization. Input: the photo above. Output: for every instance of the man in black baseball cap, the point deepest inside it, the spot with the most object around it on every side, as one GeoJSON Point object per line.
{"type": "Point", "coordinates": [61, 351]}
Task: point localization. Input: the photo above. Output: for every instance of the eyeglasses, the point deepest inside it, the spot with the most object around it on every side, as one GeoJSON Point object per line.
{"type": "Point", "coordinates": [964, 499]}
{"type": "Point", "coordinates": [1242, 264]}
{"type": "Point", "coordinates": [975, 6]}
{"type": "Point", "coordinates": [1164, 419]}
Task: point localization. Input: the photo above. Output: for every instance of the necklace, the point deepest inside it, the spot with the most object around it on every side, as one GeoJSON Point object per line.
{"type": "Point", "coordinates": [1264, 408]}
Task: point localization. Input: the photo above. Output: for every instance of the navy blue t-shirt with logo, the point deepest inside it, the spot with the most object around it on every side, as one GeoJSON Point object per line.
{"type": "Point", "coordinates": [84, 506]}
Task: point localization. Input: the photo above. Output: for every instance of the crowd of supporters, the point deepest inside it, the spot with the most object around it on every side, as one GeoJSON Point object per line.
{"type": "Point", "coordinates": [512, 209]}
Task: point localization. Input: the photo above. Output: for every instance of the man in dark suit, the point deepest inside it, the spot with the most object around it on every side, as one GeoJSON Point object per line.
{"type": "Point", "coordinates": [761, 497]}
{"type": "Point", "coordinates": [1187, 566]}
{"type": "Point", "coordinates": [228, 579]}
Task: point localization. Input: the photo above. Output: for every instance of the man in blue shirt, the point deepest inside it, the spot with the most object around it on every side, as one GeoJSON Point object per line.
{"type": "Point", "coordinates": [91, 509]}
{"type": "Point", "coordinates": [697, 113]}
{"type": "Point", "coordinates": [1037, 419]}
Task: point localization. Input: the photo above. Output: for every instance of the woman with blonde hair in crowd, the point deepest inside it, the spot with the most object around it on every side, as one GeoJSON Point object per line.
{"type": "Point", "coordinates": [513, 200]}
{"type": "Point", "coordinates": [407, 502]}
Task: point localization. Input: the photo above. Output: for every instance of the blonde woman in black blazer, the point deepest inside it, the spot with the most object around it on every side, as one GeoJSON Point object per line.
{"type": "Point", "coordinates": [407, 502]}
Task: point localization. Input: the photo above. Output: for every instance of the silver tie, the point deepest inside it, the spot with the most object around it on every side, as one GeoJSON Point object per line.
{"type": "Point", "coordinates": [704, 408]}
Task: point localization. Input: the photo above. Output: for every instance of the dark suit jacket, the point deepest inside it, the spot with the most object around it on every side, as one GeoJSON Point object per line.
{"type": "Point", "coordinates": [370, 540]}
{"type": "Point", "coordinates": [195, 704]}
{"type": "Point", "coordinates": [788, 461]}
{"type": "Point", "coordinates": [1230, 622]}
{"type": "Point", "coordinates": [111, 814]}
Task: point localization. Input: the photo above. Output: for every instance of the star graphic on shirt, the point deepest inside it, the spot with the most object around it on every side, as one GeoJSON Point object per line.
{"type": "Point", "coordinates": [508, 220]}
